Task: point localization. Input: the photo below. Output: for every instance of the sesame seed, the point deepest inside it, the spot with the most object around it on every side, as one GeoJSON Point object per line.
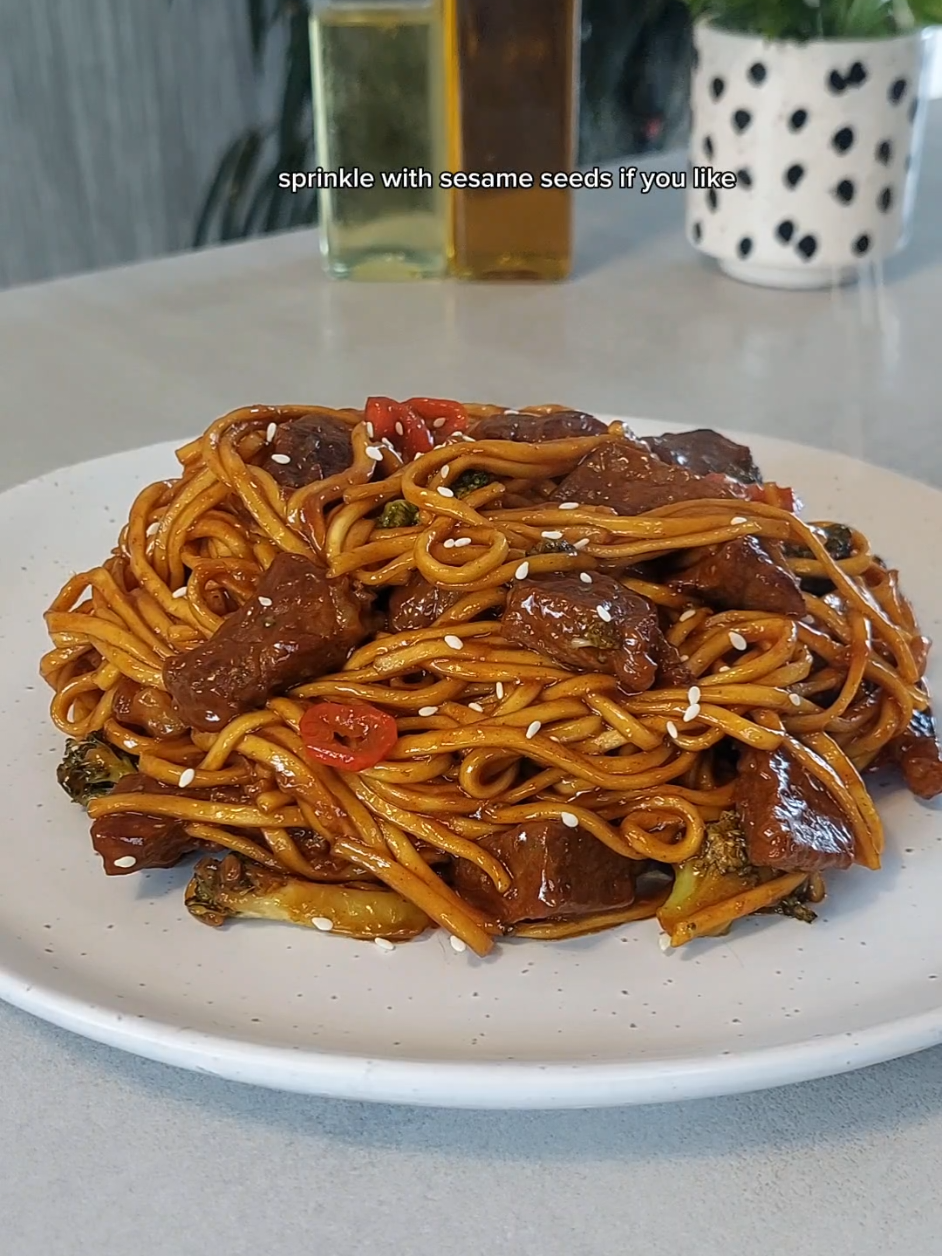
{"type": "Point", "coordinates": [457, 944]}
{"type": "Point", "coordinates": [693, 695]}
{"type": "Point", "coordinates": [281, 459]}
{"type": "Point", "coordinates": [417, 456]}
{"type": "Point", "coordinates": [125, 861]}
{"type": "Point", "coordinates": [580, 545]}
{"type": "Point", "coordinates": [445, 470]}
{"type": "Point", "coordinates": [585, 577]}
{"type": "Point", "coordinates": [664, 942]}
{"type": "Point", "coordinates": [400, 430]}
{"type": "Point", "coordinates": [428, 710]}
{"type": "Point", "coordinates": [181, 592]}
{"type": "Point", "coordinates": [445, 492]}
{"type": "Point", "coordinates": [569, 506]}
{"type": "Point", "coordinates": [455, 642]}
{"type": "Point", "coordinates": [449, 544]}
{"type": "Point", "coordinates": [687, 615]}
{"type": "Point", "coordinates": [794, 699]}
{"type": "Point", "coordinates": [671, 728]}
{"type": "Point", "coordinates": [462, 541]}
{"type": "Point", "coordinates": [691, 712]}
{"type": "Point", "coordinates": [533, 729]}
{"type": "Point", "coordinates": [724, 667]}
{"type": "Point", "coordinates": [499, 689]}
{"type": "Point", "coordinates": [438, 424]}
{"type": "Point", "coordinates": [384, 944]}
{"type": "Point", "coordinates": [604, 614]}
{"type": "Point", "coordinates": [152, 528]}
{"type": "Point", "coordinates": [372, 452]}
{"type": "Point", "coordinates": [187, 777]}
{"type": "Point", "coordinates": [579, 643]}
{"type": "Point", "coordinates": [369, 429]}
{"type": "Point", "coordinates": [270, 432]}
{"type": "Point", "coordinates": [476, 706]}
{"type": "Point", "coordinates": [737, 641]}
{"type": "Point", "coordinates": [739, 519]}
{"type": "Point", "coordinates": [264, 601]}
{"type": "Point", "coordinates": [684, 658]}
{"type": "Point", "coordinates": [324, 923]}
{"type": "Point", "coordinates": [570, 821]}
{"type": "Point", "coordinates": [522, 571]}
{"type": "Point", "coordinates": [552, 536]}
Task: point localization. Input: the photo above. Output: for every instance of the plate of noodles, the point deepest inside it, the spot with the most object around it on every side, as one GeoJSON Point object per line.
{"type": "Point", "coordinates": [447, 754]}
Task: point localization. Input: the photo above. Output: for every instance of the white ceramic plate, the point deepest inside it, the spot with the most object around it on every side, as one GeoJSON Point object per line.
{"type": "Point", "coordinates": [599, 1021]}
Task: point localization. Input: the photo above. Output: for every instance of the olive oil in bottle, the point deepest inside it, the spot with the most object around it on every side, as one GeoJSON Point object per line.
{"type": "Point", "coordinates": [512, 89]}
{"type": "Point", "coordinates": [379, 108]}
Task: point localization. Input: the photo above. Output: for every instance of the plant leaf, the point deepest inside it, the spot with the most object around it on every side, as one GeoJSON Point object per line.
{"type": "Point", "coordinates": [214, 196]}
{"type": "Point", "coordinates": [296, 97]}
{"type": "Point", "coordinates": [258, 28]}
{"type": "Point", "coordinates": [239, 179]}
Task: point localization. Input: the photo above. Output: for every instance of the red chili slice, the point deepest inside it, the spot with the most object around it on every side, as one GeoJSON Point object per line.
{"type": "Point", "coordinates": [434, 408]}
{"type": "Point", "coordinates": [350, 736]}
{"type": "Point", "coordinates": [383, 413]}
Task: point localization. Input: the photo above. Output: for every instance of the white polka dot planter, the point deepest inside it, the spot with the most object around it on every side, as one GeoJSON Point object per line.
{"type": "Point", "coordinates": [823, 139]}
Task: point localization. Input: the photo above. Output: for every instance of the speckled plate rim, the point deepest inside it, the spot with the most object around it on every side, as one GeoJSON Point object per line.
{"type": "Point", "coordinates": [484, 1084]}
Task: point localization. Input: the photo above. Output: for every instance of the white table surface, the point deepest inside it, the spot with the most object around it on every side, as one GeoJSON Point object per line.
{"type": "Point", "coordinates": [102, 1154]}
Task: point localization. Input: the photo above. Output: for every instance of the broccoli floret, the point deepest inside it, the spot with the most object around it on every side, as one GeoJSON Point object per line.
{"type": "Point", "coordinates": [231, 887]}
{"type": "Point", "coordinates": [470, 481]}
{"type": "Point", "coordinates": [795, 907]}
{"type": "Point", "coordinates": [91, 768]}
{"type": "Point", "coordinates": [838, 541]}
{"type": "Point", "coordinates": [555, 547]}
{"type": "Point", "coordinates": [719, 871]}
{"type": "Point", "coordinates": [398, 514]}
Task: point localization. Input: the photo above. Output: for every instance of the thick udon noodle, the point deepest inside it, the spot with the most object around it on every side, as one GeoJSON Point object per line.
{"type": "Point", "coordinates": [629, 769]}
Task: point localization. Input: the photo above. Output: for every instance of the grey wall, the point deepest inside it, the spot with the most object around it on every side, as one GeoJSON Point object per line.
{"type": "Point", "coordinates": [113, 114]}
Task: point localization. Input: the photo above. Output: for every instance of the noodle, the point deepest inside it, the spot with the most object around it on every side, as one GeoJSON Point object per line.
{"type": "Point", "coordinates": [491, 734]}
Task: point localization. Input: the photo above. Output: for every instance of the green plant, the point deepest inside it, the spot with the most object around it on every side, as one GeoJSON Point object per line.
{"type": "Point", "coordinates": [244, 197]}
{"type": "Point", "coordinates": [819, 19]}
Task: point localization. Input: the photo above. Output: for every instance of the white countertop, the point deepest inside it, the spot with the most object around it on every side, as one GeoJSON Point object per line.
{"type": "Point", "coordinates": [107, 1155]}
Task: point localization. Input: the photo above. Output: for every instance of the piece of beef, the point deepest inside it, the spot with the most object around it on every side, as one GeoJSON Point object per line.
{"type": "Point", "coordinates": [148, 709]}
{"type": "Point", "coordinates": [628, 477]}
{"type": "Point", "coordinates": [297, 627]}
{"type": "Point", "coordinates": [790, 821]}
{"type": "Point", "coordinates": [151, 841]}
{"type": "Point", "coordinates": [745, 574]}
{"type": "Point", "coordinates": [705, 452]}
{"type": "Point", "coordinates": [560, 425]}
{"type": "Point", "coordinates": [916, 753]}
{"type": "Point", "coordinates": [556, 872]}
{"type": "Point", "coordinates": [418, 604]}
{"type": "Point", "coordinates": [317, 445]}
{"type": "Point", "coordinates": [558, 615]}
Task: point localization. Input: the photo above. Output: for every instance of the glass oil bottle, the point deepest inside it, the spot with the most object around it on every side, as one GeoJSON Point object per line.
{"type": "Point", "coordinates": [379, 127]}
{"type": "Point", "coordinates": [512, 89]}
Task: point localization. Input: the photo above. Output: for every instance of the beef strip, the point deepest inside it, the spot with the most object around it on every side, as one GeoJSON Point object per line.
{"type": "Point", "coordinates": [705, 452]}
{"type": "Point", "coordinates": [151, 841]}
{"type": "Point", "coordinates": [916, 753]}
{"type": "Point", "coordinates": [418, 604]}
{"type": "Point", "coordinates": [744, 574]}
{"type": "Point", "coordinates": [148, 709]}
{"type": "Point", "coordinates": [556, 872]}
{"type": "Point", "coordinates": [561, 425]}
{"type": "Point", "coordinates": [628, 477]}
{"type": "Point", "coordinates": [318, 447]}
{"type": "Point", "coordinates": [558, 615]}
{"type": "Point", "coordinates": [310, 628]}
{"type": "Point", "coordinates": [790, 821]}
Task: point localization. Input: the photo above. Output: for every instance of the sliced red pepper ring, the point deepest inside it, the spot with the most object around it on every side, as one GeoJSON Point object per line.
{"type": "Point", "coordinates": [351, 736]}
{"type": "Point", "coordinates": [383, 413]}
{"type": "Point", "coordinates": [432, 409]}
